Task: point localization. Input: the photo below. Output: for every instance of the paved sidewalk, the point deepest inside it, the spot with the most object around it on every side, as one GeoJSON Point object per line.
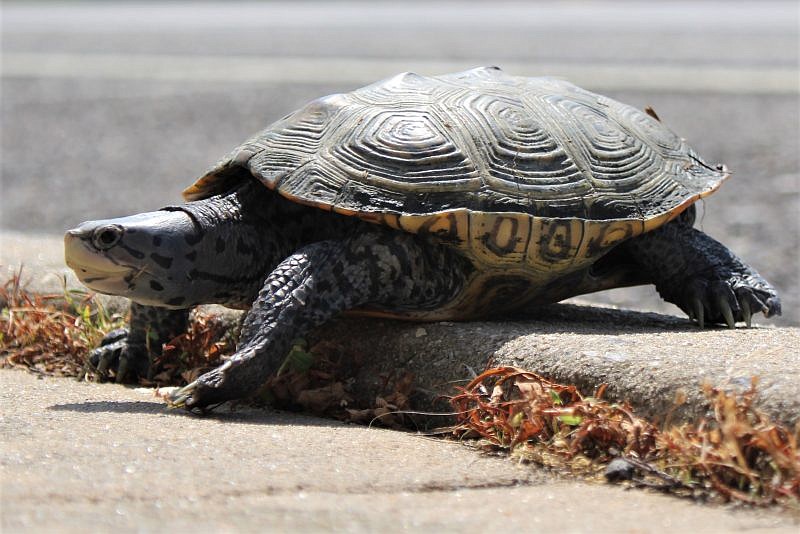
{"type": "Point", "coordinates": [78, 456]}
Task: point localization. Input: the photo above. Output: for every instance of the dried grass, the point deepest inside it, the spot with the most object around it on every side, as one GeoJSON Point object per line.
{"type": "Point", "coordinates": [205, 345]}
{"type": "Point", "coordinates": [736, 455]}
{"type": "Point", "coordinates": [53, 335]}
{"type": "Point", "coordinates": [50, 334]}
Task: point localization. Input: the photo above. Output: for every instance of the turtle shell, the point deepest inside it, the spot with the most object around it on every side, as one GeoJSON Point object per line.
{"type": "Point", "coordinates": [529, 174]}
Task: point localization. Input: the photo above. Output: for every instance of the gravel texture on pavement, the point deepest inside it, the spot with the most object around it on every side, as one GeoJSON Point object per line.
{"type": "Point", "coordinates": [113, 459]}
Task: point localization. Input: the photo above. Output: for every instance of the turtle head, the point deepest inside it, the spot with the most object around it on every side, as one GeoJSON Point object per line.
{"type": "Point", "coordinates": [213, 250]}
{"type": "Point", "coordinates": [144, 257]}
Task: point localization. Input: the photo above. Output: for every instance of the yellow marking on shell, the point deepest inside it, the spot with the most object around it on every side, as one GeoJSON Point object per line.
{"type": "Point", "coordinates": [392, 220]}
{"type": "Point", "coordinates": [440, 223]}
{"type": "Point", "coordinates": [600, 236]}
{"type": "Point", "coordinates": [200, 188]}
{"type": "Point", "coordinates": [554, 244]}
{"type": "Point", "coordinates": [412, 223]}
{"type": "Point", "coordinates": [450, 226]}
{"type": "Point", "coordinates": [656, 222]}
{"type": "Point", "coordinates": [505, 232]}
{"type": "Point", "coordinates": [499, 238]}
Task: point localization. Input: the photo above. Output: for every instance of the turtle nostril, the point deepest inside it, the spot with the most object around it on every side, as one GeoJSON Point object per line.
{"type": "Point", "coordinates": [106, 237]}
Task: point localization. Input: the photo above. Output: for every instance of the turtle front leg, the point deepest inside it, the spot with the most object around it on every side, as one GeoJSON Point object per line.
{"type": "Point", "coordinates": [702, 277]}
{"type": "Point", "coordinates": [128, 350]}
{"type": "Point", "coordinates": [388, 269]}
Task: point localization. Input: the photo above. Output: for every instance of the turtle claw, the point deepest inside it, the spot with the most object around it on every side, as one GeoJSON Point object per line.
{"type": "Point", "coordinates": [179, 398]}
{"type": "Point", "coordinates": [728, 301]}
{"type": "Point", "coordinates": [699, 312]}
{"type": "Point", "coordinates": [772, 307]}
{"type": "Point", "coordinates": [102, 364]}
{"type": "Point", "coordinates": [209, 390]}
{"type": "Point", "coordinates": [747, 314]}
{"type": "Point", "coordinates": [755, 298]}
{"type": "Point", "coordinates": [122, 368]}
{"type": "Point", "coordinates": [727, 312]}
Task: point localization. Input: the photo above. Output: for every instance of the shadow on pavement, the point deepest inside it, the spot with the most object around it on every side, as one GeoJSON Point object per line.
{"type": "Point", "coordinates": [226, 413]}
{"type": "Point", "coordinates": [580, 318]}
{"type": "Point", "coordinates": [111, 407]}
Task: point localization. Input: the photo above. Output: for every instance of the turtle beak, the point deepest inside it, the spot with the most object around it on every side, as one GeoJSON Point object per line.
{"type": "Point", "coordinates": [84, 249]}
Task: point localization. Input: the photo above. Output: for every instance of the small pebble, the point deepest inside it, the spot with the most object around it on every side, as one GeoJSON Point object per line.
{"type": "Point", "coordinates": [619, 469]}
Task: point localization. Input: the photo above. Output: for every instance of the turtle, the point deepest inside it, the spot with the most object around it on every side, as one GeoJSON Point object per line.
{"type": "Point", "coordinates": [451, 197]}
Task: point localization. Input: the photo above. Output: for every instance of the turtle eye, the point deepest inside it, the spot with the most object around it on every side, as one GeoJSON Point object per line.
{"type": "Point", "coordinates": [106, 237]}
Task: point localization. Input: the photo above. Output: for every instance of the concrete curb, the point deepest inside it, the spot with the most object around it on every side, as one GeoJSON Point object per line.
{"type": "Point", "coordinates": [646, 359]}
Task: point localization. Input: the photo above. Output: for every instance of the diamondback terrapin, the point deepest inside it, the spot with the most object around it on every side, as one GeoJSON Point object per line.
{"type": "Point", "coordinates": [426, 198]}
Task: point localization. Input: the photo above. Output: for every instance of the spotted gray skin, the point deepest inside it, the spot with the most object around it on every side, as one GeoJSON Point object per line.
{"type": "Point", "coordinates": [312, 266]}
{"type": "Point", "coordinates": [378, 267]}
{"type": "Point", "coordinates": [451, 197]}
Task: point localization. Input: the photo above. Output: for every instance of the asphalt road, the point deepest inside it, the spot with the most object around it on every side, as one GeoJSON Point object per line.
{"type": "Point", "coordinates": [109, 109]}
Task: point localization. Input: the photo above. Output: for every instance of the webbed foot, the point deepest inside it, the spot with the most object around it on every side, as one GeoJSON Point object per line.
{"type": "Point", "coordinates": [730, 300]}
{"type": "Point", "coordinates": [126, 353]}
{"type": "Point", "coordinates": [702, 276]}
{"type": "Point", "coordinates": [116, 354]}
{"type": "Point", "coordinates": [212, 388]}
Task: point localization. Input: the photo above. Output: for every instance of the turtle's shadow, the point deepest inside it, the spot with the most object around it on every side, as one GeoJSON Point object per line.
{"type": "Point", "coordinates": [560, 318]}
{"type": "Point", "coordinates": [586, 318]}
{"type": "Point", "coordinates": [142, 407]}
{"type": "Point", "coordinates": [567, 317]}
{"type": "Point", "coordinates": [228, 414]}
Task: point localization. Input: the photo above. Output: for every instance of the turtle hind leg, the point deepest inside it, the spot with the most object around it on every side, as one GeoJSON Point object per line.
{"type": "Point", "coordinates": [127, 351]}
{"type": "Point", "coordinates": [701, 276]}
{"type": "Point", "coordinates": [378, 267]}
